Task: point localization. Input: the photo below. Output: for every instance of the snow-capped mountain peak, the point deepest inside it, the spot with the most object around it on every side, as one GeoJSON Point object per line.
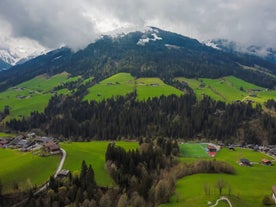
{"type": "Point", "coordinates": [15, 51]}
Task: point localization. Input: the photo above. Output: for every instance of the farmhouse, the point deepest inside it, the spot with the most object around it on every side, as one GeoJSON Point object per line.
{"type": "Point", "coordinates": [3, 143]}
{"type": "Point", "coordinates": [43, 140]}
{"type": "Point", "coordinates": [245, 162]}
{"type": "Point", "coordinates": [266, 162]}
{"type": "Point", "coordinates": [51, 147]}
{"type": "Point", "coordinates": [274, 193]}
{"type": "Point", "coordinates": [16, 140]}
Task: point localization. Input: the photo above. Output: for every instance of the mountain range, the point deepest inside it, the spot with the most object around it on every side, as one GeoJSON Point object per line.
{"type": "Point", "coordinates": [154, 52]}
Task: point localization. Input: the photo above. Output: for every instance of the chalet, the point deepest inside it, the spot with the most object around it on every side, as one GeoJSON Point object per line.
{"type": "Point", "coordinates": [51, 147]}
{"type": "Point", "coordinates": [245, 162]}
{"type": "Point", "coordinates": [266, 162]}
{"type": "Point", "coordinates": [274, 193]}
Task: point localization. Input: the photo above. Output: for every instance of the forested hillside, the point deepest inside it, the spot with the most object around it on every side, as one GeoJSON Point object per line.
{"type": "Point", "coordinates": [152, 53]}
{"type": "Point", "coordinates": [172, 116]}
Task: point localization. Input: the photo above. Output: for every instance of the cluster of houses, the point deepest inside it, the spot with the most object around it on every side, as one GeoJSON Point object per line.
{"type": "Point", "coordinates": [31, 142]}
{"type": "Point", "coordinates": [270, 150]}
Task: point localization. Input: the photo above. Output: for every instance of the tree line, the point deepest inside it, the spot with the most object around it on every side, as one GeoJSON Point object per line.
{"type": "Point", "coordinates": [174, 117]}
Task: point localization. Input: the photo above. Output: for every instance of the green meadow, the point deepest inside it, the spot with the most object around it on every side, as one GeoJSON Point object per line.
{"type": "Point", "coordinates": [154, 87]}
{"type": "Point", "coordinates": [245, 189]}
{"type": "Point", "coordinates": [32, 95]}
{"type": "Point", "coordinates": [93, 153]}
{"type": "Point", "coordinates": [116, 85]}
{"type": "Point", "coordinates": [6, 135]}
{"type": "Point", "coordinates": [193, 150]}
{"type": "Point", "coordinates": [25, 168]}
{"type": "Point", "coordinates": [229, 89]}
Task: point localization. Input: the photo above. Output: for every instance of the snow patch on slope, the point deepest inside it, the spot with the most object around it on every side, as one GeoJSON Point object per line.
{"type": "Point", "coordinates": [146, 39]}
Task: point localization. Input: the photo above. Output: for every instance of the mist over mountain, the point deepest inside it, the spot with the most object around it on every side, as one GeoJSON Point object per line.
{"type": "Point", "coordinates": [225, 45]}
{"type": "Point", "coordinates": [154, 52]}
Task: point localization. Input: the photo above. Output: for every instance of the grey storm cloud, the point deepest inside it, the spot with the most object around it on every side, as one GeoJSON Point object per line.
{"type": "Point", "coordinates": [78, 22]}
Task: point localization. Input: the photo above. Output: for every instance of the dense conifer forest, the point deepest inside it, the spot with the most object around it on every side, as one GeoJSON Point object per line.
{"type": "Point", "coordinates": [68, 117]}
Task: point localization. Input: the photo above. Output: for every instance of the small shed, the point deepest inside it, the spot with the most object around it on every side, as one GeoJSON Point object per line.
{"type": "Point", "coordinates": [266, 162]}
{"type": "Point", "coordinates": [245, 162]}
{"type": "Point", "coordinates": [63, 173]}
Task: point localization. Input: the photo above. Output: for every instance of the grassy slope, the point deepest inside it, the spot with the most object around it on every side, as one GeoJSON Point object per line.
{"type": "Point", "coordinates": [116, 85]}
{"type": "Point", "coordinates": [193, 150]}
{"type": "Point", "coordinates": [248, 186]}
{"type": "Point", "coordinates": [93, 153]}
{"type": "Point", "coordinates": [123, 83]}
{"type": "Point", "coordinates": [154, 87]}
{"type": "Point", "coordinates": [20, 166]}
{"type": "Point", "coordinates": [36, 93]}
{"type": "Point", "coordinates": [228, 89]}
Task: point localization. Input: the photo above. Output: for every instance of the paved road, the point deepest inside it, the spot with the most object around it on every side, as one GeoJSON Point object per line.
{"type": "Point", "coordinates": [61, 161]}
{"type": "Point", "coordinates": [223, 198]}
{"type": "Point", "coordinates": [45, 186]}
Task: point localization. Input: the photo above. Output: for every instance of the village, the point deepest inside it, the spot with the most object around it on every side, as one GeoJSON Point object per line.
{"type": "Point", "coordinates": [31, 142]}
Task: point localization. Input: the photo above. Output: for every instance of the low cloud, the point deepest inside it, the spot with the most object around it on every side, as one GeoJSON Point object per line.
{"type": "Point", "coordinates": [77, 23]}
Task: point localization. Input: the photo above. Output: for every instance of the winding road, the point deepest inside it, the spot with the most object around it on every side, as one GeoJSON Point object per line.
{"type": "Point", "coordinates": [223, 198]}
{"type": "Point", "coordinates": [45, 186]}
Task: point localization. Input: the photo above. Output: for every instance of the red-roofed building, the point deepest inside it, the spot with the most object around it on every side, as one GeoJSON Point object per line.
{"type": "Point", "coordinates": [266, 162]}
{"type": "Point", "coordinates": [212, 150]}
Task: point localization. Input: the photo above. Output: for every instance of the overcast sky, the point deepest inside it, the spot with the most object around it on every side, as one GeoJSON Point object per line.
{"type": "Point", "coordinates": [76, 23]}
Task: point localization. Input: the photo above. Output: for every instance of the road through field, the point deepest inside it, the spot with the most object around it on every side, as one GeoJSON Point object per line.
{"type": "Point", "coordinates": [45, 186]}
{"type": "Point", "coordinates": [223, 198]}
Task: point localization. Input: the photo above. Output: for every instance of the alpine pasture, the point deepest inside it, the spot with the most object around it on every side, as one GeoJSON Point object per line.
{"type": "Point", "coordinates": [119, 84]}
{"type": "Point", "coordinates": [25, 169]}
{"type": "Point", "coordinates": [93, 153]}
{"type": "Point", "coordinates": [246, 188]}
{"type": "Point", "coordinates": [229, 89]}
{"type": "Point", "coordinates": [32, 95]}
{"type": "Point", "coordinates": [154, 87]}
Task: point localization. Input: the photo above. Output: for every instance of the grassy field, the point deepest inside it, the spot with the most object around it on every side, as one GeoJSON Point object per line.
{"type": "Point", "coordinates": [247, 187]}
{"type": "Point", "coordinates": [123, 83]}
{"type": "Point", "coordinates": [154, 87]}
{"type": "Point", "coordinates": [31, 95]}
{"type": "Point", "coordinates": [193, 150]}
{"type": "Point", "coordinates": [21, 167]}
{"type": "Point", "coordinates": [229, 89]}
{"type": "Point", "coordinates": [93, 153]}
{"type": "Point", "coordinates": [116, 85]}
{"type": "Point", "coordinates": [5, 135]}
